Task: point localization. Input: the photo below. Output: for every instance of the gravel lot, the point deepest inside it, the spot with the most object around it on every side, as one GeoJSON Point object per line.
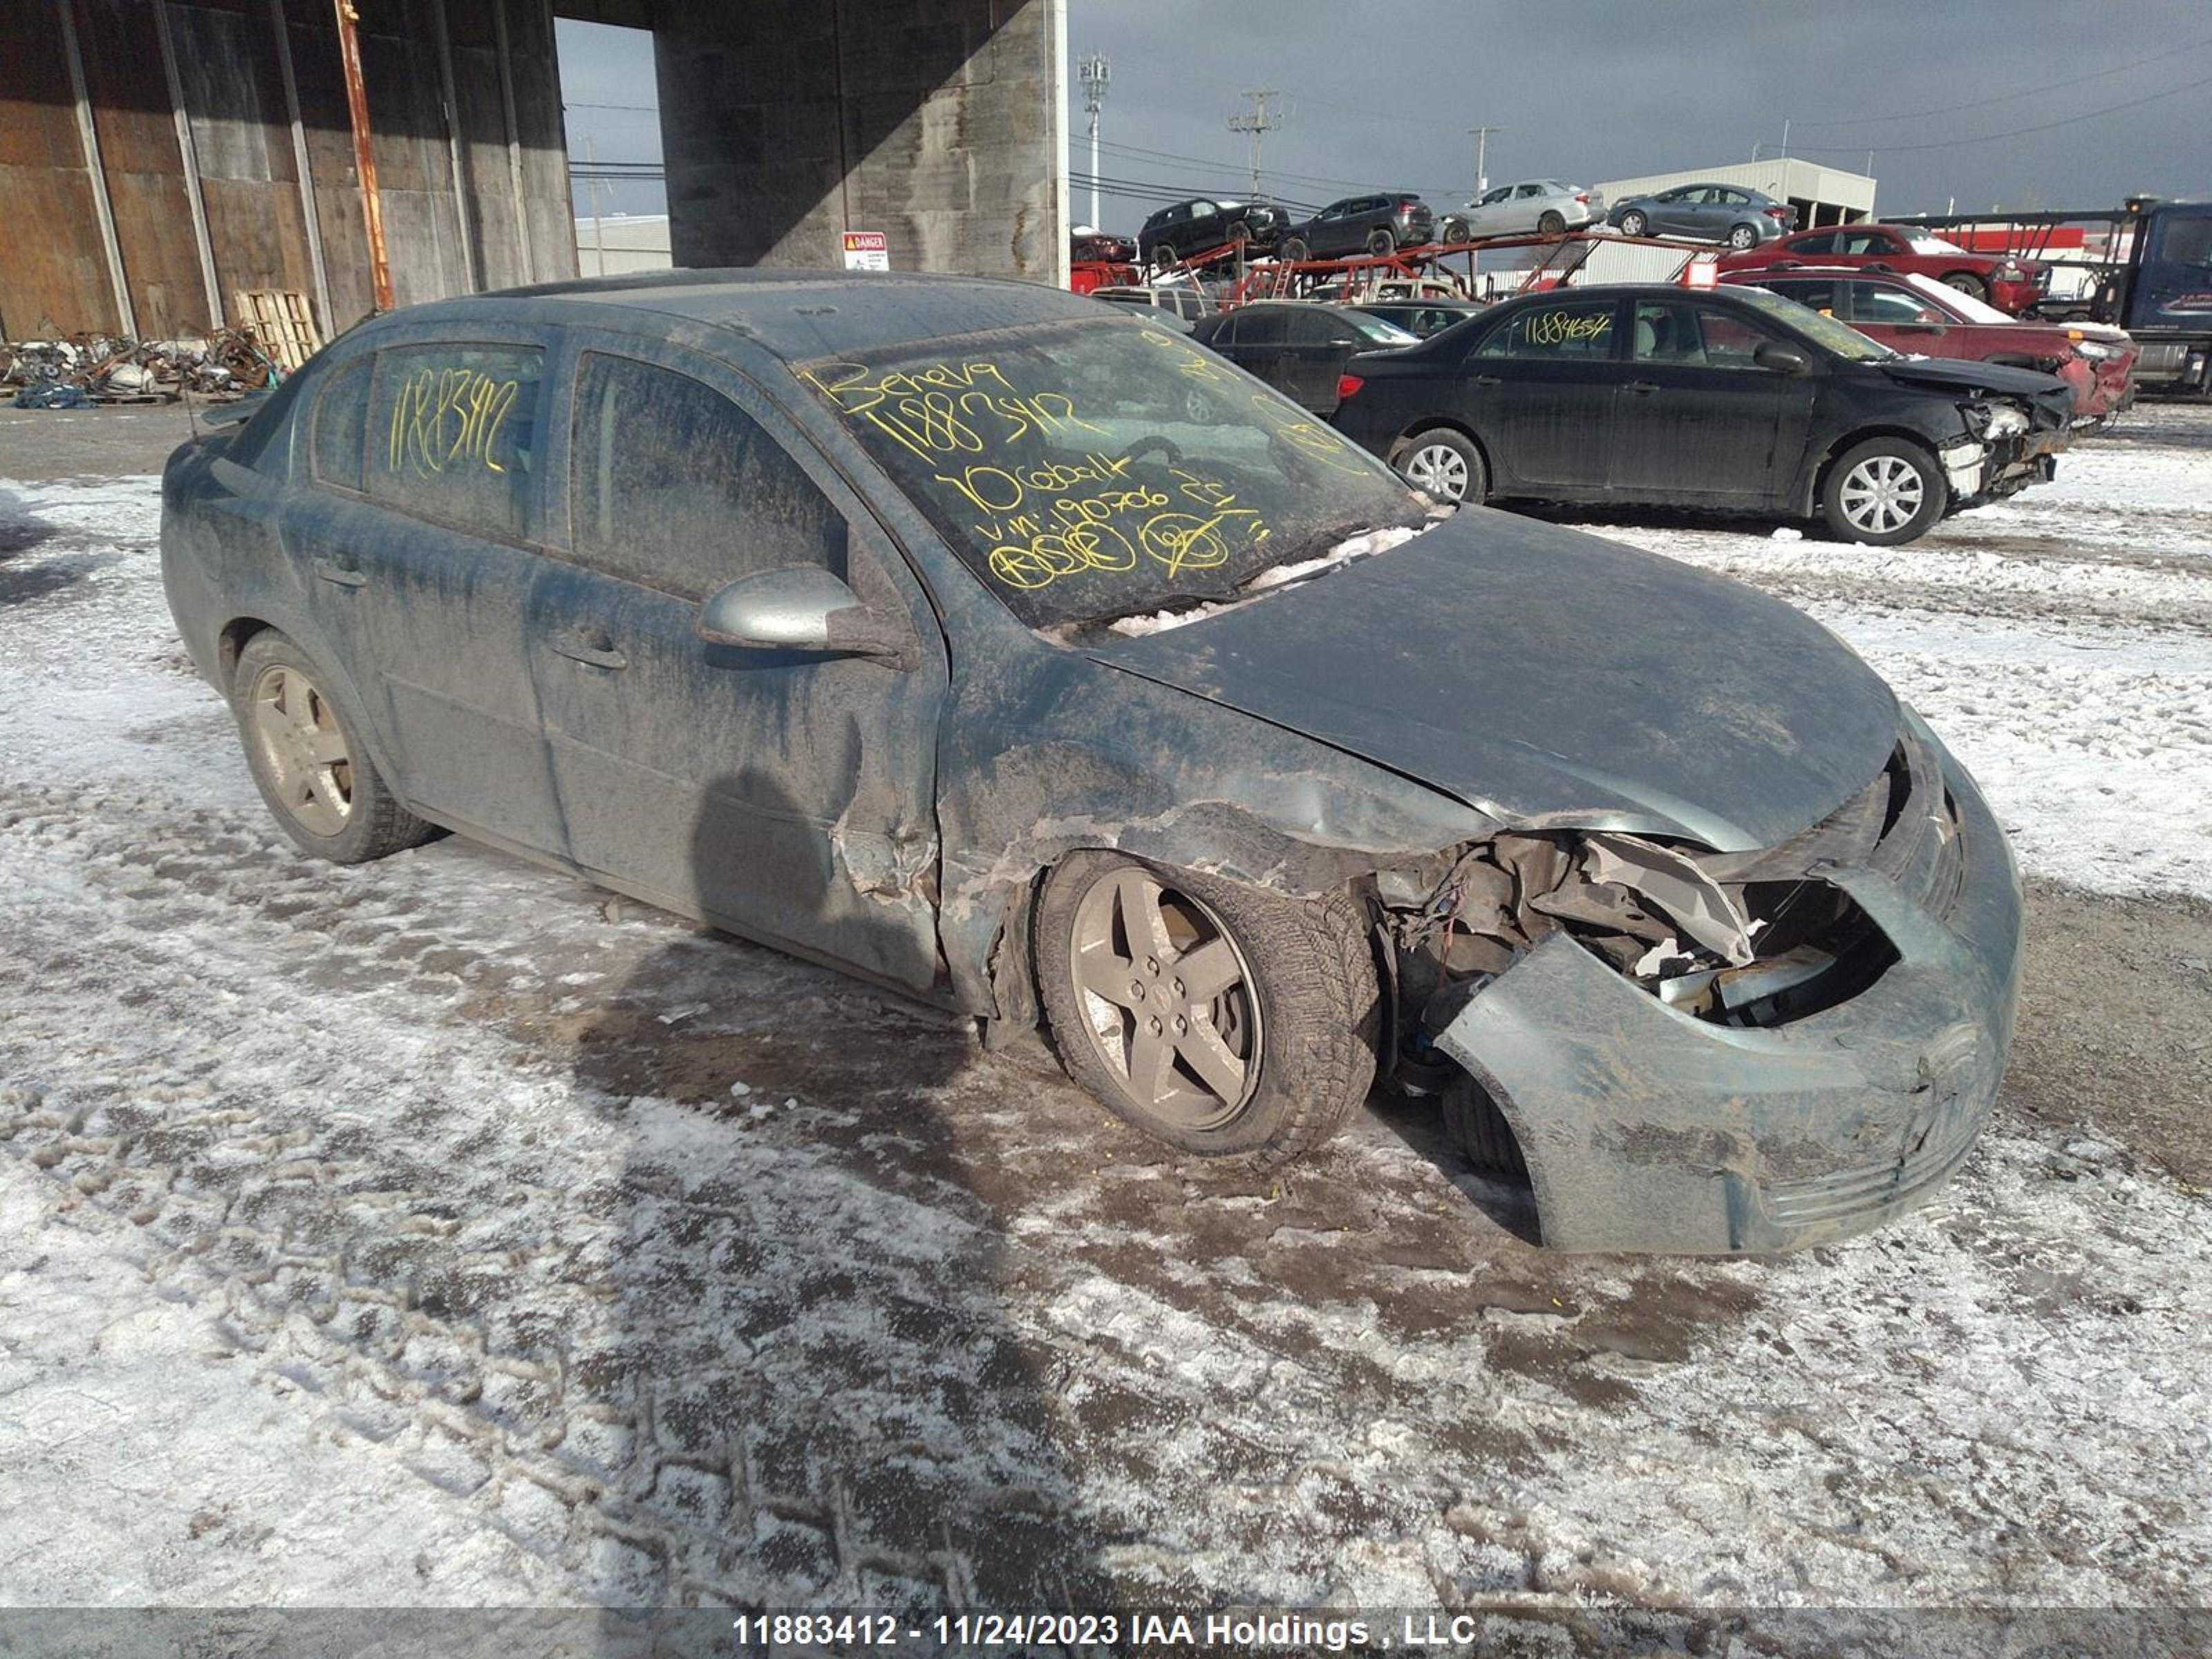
{"type": "Point", "coordinates": [441, 1232]}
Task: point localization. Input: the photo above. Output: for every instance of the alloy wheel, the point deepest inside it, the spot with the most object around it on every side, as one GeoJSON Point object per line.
{"type": "Point", "coordinates": [1168, 998]}
{"type": "Point", "coordinates": [1440, 470]}
{"type": "Point", "coordinates": [309, 765]}
{"type": "Point", "coordinates": [1881, 494]}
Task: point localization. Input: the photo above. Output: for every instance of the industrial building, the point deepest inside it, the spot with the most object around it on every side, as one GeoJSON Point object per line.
{"type": "Point", "coordinates": [158, 158]}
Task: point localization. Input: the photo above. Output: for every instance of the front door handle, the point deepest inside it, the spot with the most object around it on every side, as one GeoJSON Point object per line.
{"type": "Point", "coordinates": [596, 649]}
{"type": "Point", "coordinates": [343, 574]}
{"type": "Point", "coordinates": [1639, 386]}
{"type": "Point", "coordinates": [1490, 379]}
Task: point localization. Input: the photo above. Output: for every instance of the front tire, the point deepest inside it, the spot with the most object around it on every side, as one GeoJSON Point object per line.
{"type": "Point", "coordinates": [1967, 282]}
{"type": "Point", "coordinates": [1883, 492]}
{"type": "Point", "coordinates": [303, 745]}
{"type": "Point", "coordinates": [1446, 464]}
{"type": "Point", "coordinates": [1634, 224]}
{"type": "Point", "coordinates": [1222, 1020]}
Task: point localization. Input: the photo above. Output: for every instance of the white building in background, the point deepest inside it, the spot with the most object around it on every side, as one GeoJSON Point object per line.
{"type": "Point", "coordinates": [616, 242]}
{"type": "Point", "coordinates": [1822, 196]}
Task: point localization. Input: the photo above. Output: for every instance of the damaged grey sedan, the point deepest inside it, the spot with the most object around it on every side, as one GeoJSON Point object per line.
{"type": "Point", "coordinates": [1021, 656]}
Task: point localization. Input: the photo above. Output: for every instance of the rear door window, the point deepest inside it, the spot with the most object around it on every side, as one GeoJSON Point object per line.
{"type": "Point", "coordinates": [677, 487]}
{"type": "Point", "coordinates": [338, 429]}
{"type": "Point", "coordinates": [453, 434]}
{"type": "Point", "coordinates": [1575, 332]}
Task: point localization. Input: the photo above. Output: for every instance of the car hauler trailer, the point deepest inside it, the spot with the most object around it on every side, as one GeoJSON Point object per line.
{"type": "Point", "coordinates": [2146, 267]}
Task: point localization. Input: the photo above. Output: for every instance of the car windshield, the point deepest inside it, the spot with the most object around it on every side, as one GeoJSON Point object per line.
{"type": "Point", "coordinates": [1823, 330]}
{"type": "Point", "coordinates": [1920, 242]}
{"type": "Point", "coordinates": [1088, 470]}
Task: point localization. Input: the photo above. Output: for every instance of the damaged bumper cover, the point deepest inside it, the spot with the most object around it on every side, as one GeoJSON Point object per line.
{"type": "Point", "coordinates": [1645, 1127]}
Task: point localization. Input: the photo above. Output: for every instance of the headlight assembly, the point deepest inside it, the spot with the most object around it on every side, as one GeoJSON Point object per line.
{"type": "Point", "coordinates": [1995, 420]}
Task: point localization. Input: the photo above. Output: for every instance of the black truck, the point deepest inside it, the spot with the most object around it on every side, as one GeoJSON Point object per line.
{"type": "Point", "coordinates": [2146, 267]}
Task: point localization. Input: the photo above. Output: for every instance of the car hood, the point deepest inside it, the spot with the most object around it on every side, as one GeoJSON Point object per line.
{"type": "Point", "coordinates": [1965, 374]}
{"type": "Point", "coordinates": [1547, 676]}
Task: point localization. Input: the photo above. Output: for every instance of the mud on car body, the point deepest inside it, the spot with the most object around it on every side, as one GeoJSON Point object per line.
{"type": "Point", "coordinates": [1030, 660]}
{"type": "Point", "coordinates": [1732, 399]}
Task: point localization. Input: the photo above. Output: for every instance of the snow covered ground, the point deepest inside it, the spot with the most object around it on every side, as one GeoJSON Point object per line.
{"type": "Point", "coordinates": [440, 1232]}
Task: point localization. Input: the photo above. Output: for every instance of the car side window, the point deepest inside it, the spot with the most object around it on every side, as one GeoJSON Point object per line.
{"type": "Point", "coordinates": [1492, 198]}
{"type": "Point", "coordinates": [1529, 190]}
{"type": "Point", "coordinates": [1261, 326]}
{"type": "Point", "coordinates": [1224, 331]}
{"type": "Point", "coordinates": [1730, 341]}
{"type": "Point", "coordinates": [1823, 243]}
{"type": "Point", "coordinates": [453, 433]}
{"type": "Point", "coordinates": [1820, 296]}
{"type": "Point", "coordinates": [1874, 302]}
{"type": "Point", "coordinates": [1576, 332]}
{"type": "Point", "coordinates": [1856, 242]}
{"type": "Point", "coordinates": [1308, 328]}
{"type": "Point", "coordinates": [339, 427]}
{"type": "Point", "coordinates": [674, 487]}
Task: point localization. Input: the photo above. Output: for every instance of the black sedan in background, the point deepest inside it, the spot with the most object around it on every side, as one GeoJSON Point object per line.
{"type": "Point", "coordinates": [1299, 347]}
{"type": "Point", "coordinates": [1737, 400]}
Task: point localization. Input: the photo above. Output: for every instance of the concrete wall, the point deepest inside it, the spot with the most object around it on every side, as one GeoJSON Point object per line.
{"type": "Point", "coordinates": [208, 204]}
{"type": "Point", "coordinates": [940, 122]}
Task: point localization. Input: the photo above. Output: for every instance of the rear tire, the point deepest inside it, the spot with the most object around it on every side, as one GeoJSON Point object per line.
{"type": "Point", "coordinates": [303, 746]}
{"type": "Point", "coordinates": [1883, 492]}
{"type": "Point", "coordinates": [1634, 224]}
{"type": "Point", "coordinates": [1446, 464]}
{"type": "Point", "coordinates": [1551, 224]}
{"type": "Point", "coordinates": [1278, 1041]}
{"type": "Point", "coordinates": [1743, 237]}
{"type": "Point", "coordinates": [1382, 244]}
{"type": "Point", "coordinates": [1295, 249]}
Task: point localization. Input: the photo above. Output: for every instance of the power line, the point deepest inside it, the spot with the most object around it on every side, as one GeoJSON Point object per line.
{"type": "Point", "coordinates": [2006, 97]}
{"type": "Point", "coordinates": [2016, 132]}
{"type": "Point", "coordinates": [1229, 167]}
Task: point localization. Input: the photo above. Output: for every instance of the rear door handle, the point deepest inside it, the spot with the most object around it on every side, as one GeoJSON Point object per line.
{"type": "Point", "coordinates": [1639, 386]}
{"type": "Point", "coordinates": [1490, 379]}
{"type": "Point", "coordinates": [597, 649]}
{"type": "Point", "coordinates": [345, 575]}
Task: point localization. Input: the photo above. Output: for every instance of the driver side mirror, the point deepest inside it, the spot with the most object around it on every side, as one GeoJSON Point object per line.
{"type": "Point", "coordinates": [1779, 358]}
{"type": "Point", "coordinates": [804, 610]}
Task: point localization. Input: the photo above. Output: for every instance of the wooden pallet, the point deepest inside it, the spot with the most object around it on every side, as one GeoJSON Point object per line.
{"type": "Point", "coordinates": [282, 324]}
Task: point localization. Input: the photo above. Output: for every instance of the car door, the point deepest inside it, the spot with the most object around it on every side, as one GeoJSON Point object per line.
{"type": "Point", "coordinates": [1673, 211]}
{"type": "Point", "coordinates": [1203, 230]}
{"type": "Point", "coordinates": [1258, 338]}
{"type": "Point", "coordinates": [422, 553]}
{"type": "Point", "coordinates": [1896, 316]}
{"type": "Point", "coordinates": [1538, 388]}
{"type": "Point", "coordinates": [1527, 207]}
{"type": "Point", "coordinates": [1491, 213]}
{"type": "Point", "coordinates": [1316, 344]}
{"type": "Point", "coordinates": [788, 796]}
{"type": "Point", "coordinates": [1698, 419]}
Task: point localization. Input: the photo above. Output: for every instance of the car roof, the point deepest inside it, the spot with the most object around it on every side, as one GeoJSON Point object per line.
{"type": "Point", "coordinates": [1751, 276]}
{"type": "Point", "coordinates": [795, 315]}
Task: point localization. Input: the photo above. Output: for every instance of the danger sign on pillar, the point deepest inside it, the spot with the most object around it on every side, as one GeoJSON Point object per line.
{"type": "Point", "coordinates": [867, 250]}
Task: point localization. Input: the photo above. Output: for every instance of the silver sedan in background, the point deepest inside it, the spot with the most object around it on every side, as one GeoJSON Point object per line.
{"type": "Point", "coordinates": [1535, 207]}
{"type": "Point", "coordinates": [1733, 214]}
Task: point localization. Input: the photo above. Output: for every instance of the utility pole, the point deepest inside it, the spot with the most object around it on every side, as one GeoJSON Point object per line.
{"type": "Point", "coordinates": [1481, 137]}
{"type": "Point", "coordinates": [1096, 72]}
{"type": "Point", "coordinates": [592, 182]}
{"type": "Point", "coordinates": [1262, 121]}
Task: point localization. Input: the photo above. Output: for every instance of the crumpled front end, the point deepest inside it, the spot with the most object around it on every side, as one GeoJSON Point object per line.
{"type": "Point", "coordinates": [1699, 1052]}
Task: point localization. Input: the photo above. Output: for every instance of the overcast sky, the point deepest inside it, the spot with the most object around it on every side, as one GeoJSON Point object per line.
{"type": "Point", "coordinates": [1383, 96]}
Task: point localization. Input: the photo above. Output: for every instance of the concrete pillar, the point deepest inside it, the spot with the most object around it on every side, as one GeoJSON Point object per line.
{"type": "Point", "coordinates": [940, 122]}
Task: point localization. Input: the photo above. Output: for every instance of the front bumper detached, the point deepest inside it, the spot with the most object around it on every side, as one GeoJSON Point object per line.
{"type": "Point", "coordinates": [1646, 1128]}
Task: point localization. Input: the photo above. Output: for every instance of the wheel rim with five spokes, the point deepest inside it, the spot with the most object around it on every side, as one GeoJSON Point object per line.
{"type": "Point", "coordinates": [1882, 495]}
{"type": "Point", "coordinates": [1169, 1000]}
{"type": "Point", "coordinates": [309, 764]}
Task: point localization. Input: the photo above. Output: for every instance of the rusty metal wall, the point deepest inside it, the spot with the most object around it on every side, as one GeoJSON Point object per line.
{"type": "Point", "coordinates": [211, 203]}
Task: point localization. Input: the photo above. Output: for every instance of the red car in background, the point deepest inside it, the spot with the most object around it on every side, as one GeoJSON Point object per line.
{"type": "Point", "coordinates": [2005, 281]}
{"type": "Point", "coordinates": [1925, 318]}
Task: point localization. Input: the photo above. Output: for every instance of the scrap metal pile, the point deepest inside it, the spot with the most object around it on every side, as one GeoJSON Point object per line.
{"type": "Point", "coordinates": [76, 370]}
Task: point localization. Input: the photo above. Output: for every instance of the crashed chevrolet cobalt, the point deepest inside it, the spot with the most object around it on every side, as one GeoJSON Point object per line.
{"type": "Point", "coordinates": [1028, 660]}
